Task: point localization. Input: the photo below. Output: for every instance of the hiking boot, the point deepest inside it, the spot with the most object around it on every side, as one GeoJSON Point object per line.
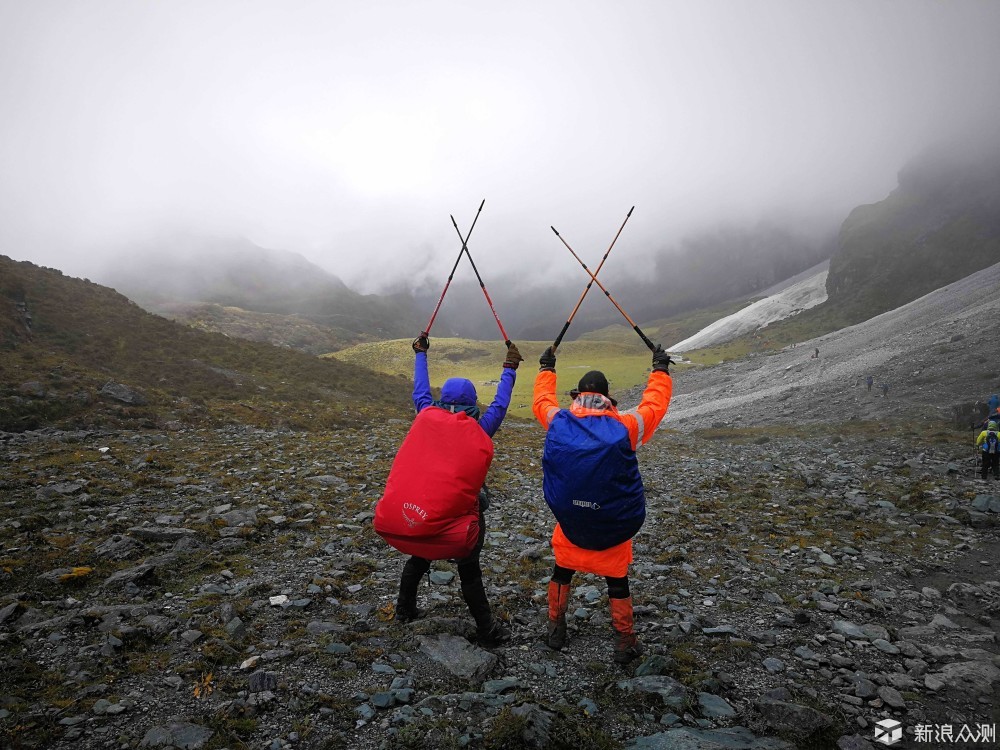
{"type": "Point", "coordinates": [493, 635]}
{"type": "Point", "coordinates": [407, 612]}
{"type": "Point", "coordinates": [406, 602]}
{"type": "Point", "coordinates": [489, 630]}
{"type": "Point", "coordinates": [555, 636]}
{"type": "Point", "coordinates": [627, 646]}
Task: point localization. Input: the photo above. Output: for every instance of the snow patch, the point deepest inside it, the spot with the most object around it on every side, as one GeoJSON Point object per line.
{"type": "Point", "coordinates": [932, 351]}
{"type": "Point", "coordinates": [785, 303]}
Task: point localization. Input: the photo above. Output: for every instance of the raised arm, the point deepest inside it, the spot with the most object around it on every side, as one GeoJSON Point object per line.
{"type": "Point", "coordinates": [544, 403]}
{"type": "Point", "coordinates": [421, 378]}
{"type": "Point", "coordinates": [497, 410]}
{"type": "Point", "coordinates": [646, 417]}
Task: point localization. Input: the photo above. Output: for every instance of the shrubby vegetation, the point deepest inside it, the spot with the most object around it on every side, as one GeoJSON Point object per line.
{"type": "Point", "coordinates": [83, 335]}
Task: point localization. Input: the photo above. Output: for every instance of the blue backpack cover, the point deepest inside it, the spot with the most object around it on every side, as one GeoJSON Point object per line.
{"type": "Point", "coordinates": [992, 443]}
{"type": "Point", "coordinates": [591, 481]}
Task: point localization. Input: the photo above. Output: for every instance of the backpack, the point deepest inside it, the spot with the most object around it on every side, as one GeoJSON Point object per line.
{"type": "Point", "coordinates": [992, 443]}
{"type": "Point", "coordinates": [430, 506]}
{"type": "Point", "coordinates": [591, 481]}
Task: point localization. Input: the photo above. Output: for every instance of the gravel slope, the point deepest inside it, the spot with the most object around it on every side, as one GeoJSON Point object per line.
{"type": "Point", "coordinates": [936, 352]}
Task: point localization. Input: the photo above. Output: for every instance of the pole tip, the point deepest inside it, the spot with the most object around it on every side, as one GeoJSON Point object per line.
{"type": "Point", "coordinates": [554, 230]}
{"type": "Point", "coordinates": [630, 211]}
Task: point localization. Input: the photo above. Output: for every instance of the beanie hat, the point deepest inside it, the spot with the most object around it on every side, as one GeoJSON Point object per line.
{"type": "Point", "coordinates": [458, 391]}
{"type": "Point", "coordinates": [593, 382]}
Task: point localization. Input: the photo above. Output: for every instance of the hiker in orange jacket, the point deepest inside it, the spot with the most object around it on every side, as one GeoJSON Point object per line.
{"type": "Point", "coordinates": [597, 497]}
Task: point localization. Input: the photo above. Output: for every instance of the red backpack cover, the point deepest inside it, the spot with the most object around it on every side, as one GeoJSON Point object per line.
{"type": "Point", "coordinates": [430, 507]}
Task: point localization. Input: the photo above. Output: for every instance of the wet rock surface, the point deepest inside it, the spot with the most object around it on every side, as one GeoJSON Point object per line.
{"type": "Point", "coordinates": [224, 588]}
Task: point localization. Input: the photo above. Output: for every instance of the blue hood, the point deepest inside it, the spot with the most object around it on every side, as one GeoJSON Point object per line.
{"type": "Point", "coordinates": [458, 391]}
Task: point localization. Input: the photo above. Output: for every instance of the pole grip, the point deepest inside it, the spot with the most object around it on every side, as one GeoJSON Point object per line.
{"type": "Point", "coordinates": [649, 343]}
{"type": "Point", "coordinates": [559, 338]}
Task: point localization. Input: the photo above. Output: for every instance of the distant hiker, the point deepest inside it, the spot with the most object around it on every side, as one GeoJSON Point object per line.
{"type": "Point", "coordinates": [869, 381]}
{"type": "Point", "coordinates": [993, 413]}
{"type": "Point", "coordinates": [990, 445]}
{"type": "Point", "coordinates": [885, 390]}
{"type": "Point", "coordinates": [591, 482]}
{"type": "Point", "coordinates": [994, 416]}
{"type": "Point", "coordinates": [435, 497]}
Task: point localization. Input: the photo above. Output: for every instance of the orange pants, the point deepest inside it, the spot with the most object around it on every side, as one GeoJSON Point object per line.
{"type": "Point", "coordinates": [611, 563]}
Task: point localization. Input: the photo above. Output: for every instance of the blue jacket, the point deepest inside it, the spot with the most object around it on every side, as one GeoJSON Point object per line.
{"type": "Point", "coordinates": [494, 414]}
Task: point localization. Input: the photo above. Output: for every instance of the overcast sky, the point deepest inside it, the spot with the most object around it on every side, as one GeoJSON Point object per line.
{"type": "Point", "coordinates": [349, 132]}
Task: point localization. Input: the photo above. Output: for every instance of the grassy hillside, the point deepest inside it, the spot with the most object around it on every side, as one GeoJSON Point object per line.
{"type": "Point", "coordinates": [941, 224]}
{"type": "Point", "coordinates": [625, 362]}
{"type": "Point", "coordinates": [235, 273]}
{"type": "Point", "coordinates": [291, 331]}
{"type": "Point", "coordinates": [615, 350]}
{"type": "Point", "coordinates": [83, 335]}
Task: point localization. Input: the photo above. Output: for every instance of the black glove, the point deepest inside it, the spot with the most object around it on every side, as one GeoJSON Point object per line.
{"type": "Point", "coordinates": [661, 360]}
{"type": "Point", "coordinates": [547, 361]}
{"type": "Point", "coordinates": [513, 358]}
{"type": "Point", "coordinates": [421, 344]}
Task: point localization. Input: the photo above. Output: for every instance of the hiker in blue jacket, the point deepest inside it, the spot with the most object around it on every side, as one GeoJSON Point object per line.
{"type": "Point", "coordinates": [993, 413]}
{"type": "Point", "coordinates": [459, 395]}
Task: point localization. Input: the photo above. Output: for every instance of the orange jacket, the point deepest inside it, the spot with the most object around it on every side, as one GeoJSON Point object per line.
{"type": "Point", "coordinates": [640, 422]}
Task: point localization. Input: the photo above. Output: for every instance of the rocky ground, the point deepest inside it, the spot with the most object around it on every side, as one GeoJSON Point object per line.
{"type": "Point", "coordinates": [936, 354]}
{"type": "Point", "coordinates": [224, 588]}
{"type": "Point", "coordinates": [816, 559]}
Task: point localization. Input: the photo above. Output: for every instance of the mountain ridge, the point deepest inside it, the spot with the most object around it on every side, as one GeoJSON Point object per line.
{"type": "Point", "coordinates": [83, 336]}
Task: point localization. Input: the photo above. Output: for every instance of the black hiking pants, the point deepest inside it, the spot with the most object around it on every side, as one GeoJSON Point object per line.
{"type": "Point", "coordinates": [469, 567]}
{"type": "Point", "coordinates": [991, 462]}
{"type": "Point", "coordinates": [470, 573]}
{"type": "Point", "coordinates": [618, 588]}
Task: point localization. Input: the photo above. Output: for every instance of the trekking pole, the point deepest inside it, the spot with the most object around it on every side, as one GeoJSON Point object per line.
{"type": "Point", "coordinates": [594, 280]}
{"type": "Point", "coordinates": [430, 322]}
{"type": "Point", "coordinates": [579, 302]}
{"type": "Point", "coordinates": [976, 452]}
{"type": "Point", "coordinates": [465, 249]}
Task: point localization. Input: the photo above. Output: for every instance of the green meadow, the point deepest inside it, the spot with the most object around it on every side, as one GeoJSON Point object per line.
{"type": "Point", "coordinates": [625, 362]}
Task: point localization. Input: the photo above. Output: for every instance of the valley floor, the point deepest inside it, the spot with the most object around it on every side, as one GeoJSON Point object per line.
{"type": "Point", "coordinates": [224, 588]}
